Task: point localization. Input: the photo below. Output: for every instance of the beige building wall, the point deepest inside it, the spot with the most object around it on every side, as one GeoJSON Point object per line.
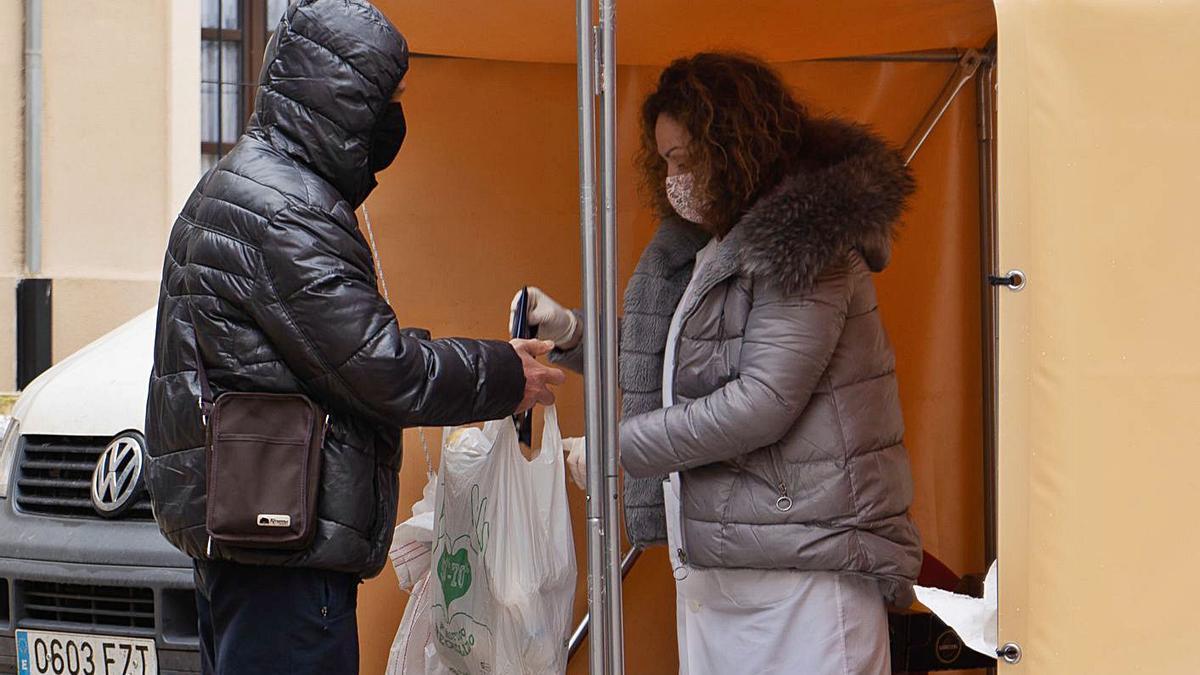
{"type": "Point", "coordinates": [11, 172]}
{"type": "Point", "coordinates": [122, 125]}
{"type": "Point", "coordinates": [120, 152]}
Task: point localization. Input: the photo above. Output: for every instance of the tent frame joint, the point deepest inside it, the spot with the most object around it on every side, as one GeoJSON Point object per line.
{"type": "Point", "coordinates": [968, 65]}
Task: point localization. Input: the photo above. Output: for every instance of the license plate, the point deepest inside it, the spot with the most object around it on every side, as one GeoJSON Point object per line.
{"type": "Point", "coordinates": [42, 653]}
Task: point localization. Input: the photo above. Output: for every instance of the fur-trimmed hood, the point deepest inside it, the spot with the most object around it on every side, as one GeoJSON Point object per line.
{"type": "Point", "coordinates": [850, 196]}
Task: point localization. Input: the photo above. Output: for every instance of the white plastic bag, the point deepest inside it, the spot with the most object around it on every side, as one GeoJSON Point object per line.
{"type": "Point", "coordinates": [412, 545]}
{"type": "Point", "coordinates": [412, 541]}
{"type": "Point", "coordinates": [503, 580]}
{"type": "Point", "coordinates": [412, 650]}
{"type": "Point", "coordinates": [974, 619]}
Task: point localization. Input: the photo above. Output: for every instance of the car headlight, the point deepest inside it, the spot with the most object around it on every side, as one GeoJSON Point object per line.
{"type": "Point", "coordinates": [10, 431]}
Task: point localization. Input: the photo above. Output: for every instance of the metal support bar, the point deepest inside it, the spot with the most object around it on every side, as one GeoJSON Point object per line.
{"type": "Point", "coordinates": [615, 643]}
{"type": "Point", "coordinates": [989, 263]}
{"type": "Point", "coordinates": [599, 651]}
{"type": "Point", "coordinates": [581, 631]}
{"type": "Point", "coordinates": [934, 56]}
{"type": "Point", "coordinates": [967, 66]}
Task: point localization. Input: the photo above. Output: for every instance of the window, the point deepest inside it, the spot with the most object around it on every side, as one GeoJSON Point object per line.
{"type": "Point", "coordinates": [233, 39]}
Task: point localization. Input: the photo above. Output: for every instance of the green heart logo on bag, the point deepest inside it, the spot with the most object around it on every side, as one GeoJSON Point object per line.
{"type": "Point", "coordinates": [454, 572]}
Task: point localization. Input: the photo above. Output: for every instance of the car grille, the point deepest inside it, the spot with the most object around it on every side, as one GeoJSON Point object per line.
{"type": "Point", "coordinates": [55, 477]}
{"type": "Point", "coordinates": [3, 602]}
{"type": "Point", "coordinates": [97, 606]}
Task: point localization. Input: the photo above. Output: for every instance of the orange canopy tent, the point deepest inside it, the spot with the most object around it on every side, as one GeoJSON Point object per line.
{"type": "Point", "coordinates": [485, 199]}
{"type": "Point", "coordinates": [654, 33]}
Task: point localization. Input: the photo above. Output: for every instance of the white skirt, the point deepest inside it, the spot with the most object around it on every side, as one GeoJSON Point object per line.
{"type": "Point", "coordinates": [783, 622]}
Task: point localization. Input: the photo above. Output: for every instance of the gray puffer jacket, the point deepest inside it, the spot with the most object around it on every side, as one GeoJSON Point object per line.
{"type": "Point", "coordinates": [786, 428]}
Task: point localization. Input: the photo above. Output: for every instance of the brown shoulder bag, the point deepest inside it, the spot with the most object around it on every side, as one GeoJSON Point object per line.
{"type": "Point", "coordinates": [263, 454]}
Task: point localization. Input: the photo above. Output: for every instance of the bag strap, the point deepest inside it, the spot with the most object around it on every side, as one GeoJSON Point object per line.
{"type": "Point", "coordinates": [201, 373]}
{"type": "Point", "coordinates": [205, 402]}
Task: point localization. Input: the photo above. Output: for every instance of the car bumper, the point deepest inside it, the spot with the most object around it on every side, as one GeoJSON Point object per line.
{"type": "Point", "coordinates": [164, 603]}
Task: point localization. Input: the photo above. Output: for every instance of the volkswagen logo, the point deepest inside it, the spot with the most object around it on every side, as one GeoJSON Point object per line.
{"type": "Point", "coordinates": [118, 476]}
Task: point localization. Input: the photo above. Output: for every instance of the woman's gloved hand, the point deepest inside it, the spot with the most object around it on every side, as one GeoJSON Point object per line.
{"type": "Point", "coordinates": [550, 320]}
{"type": "Point", "coordinates": [577, 460]}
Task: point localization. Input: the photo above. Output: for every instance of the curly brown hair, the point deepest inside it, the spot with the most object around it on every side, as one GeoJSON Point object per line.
{"type": "Point", "coordinates": [746, 132]}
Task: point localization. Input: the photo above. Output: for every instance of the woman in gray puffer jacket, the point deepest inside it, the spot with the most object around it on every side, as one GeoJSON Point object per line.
{"type": "Point", "coordinates": [762, 434]}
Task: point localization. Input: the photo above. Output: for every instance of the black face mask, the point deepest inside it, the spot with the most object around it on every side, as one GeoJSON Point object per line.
{"type": "Point", "coordinates": [387, 137]}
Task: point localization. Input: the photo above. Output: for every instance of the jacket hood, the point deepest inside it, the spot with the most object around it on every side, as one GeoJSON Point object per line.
{"type": "Point", "coordinates": [849, 196]}
{"type": "Point", "coordinates": [324, 94]}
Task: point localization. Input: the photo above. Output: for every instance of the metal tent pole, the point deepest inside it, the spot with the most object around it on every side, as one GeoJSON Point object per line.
{"type": "Point", "coordinates": [581, 631]}
{"type": "Point", "coordinates": [990, 263]}
{"type": "Point", "coordinates": [593, 367]}
{"type": "Point", "coordinates": [608, 327]}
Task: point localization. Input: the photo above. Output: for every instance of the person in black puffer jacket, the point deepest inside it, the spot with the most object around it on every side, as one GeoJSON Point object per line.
{"type": "Point", "coordinates": [269, 281]}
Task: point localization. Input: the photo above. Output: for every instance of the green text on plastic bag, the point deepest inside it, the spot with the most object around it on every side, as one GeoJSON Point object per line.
{"type": "Point", "coordinates": [454, 573]}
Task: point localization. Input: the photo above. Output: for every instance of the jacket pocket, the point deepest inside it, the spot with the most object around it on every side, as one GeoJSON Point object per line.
{"type": "Point", "coordinates": [339, 596]}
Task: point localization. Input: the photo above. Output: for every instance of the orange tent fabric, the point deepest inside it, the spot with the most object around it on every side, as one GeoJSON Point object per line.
{"type": "Point", "coordinates": [484, 199]}
{"type": "Point", "coordinates": [655, 32]}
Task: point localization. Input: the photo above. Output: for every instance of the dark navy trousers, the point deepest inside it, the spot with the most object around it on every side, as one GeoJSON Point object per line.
{"type": "Point", "coordinates": [276, 620]}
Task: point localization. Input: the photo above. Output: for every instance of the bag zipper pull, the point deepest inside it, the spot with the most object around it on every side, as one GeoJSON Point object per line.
{"type": "Point", "coordinates": [210, 547]}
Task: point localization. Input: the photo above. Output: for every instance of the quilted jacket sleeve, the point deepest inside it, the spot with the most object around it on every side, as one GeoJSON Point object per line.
{"type": "Point", "coordinates": [787, 346]}
{"type": "Point", "coordinates": [319, 307]}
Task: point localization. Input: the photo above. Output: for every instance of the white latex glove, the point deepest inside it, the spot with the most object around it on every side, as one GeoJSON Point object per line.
{"type": "Point", "coordinates": [550, 320]}
{"type": "Point", "coordinates": [576, 449]}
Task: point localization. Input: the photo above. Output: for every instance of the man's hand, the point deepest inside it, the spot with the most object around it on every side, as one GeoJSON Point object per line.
{"type": "Point", "coordinates": [538, 378]}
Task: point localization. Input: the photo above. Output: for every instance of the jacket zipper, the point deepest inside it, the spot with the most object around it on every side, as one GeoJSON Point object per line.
{"type": "Point", "coordinates": [784, 502]}
{"type": "Point", "coordinates": [681, 549]}
{"type": "Point", "coordinates": [697, 299]}
{"type": "Point", "coordinates": [682, 531]}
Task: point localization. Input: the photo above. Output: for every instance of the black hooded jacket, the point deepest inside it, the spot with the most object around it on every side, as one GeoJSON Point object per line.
{"type": "Point", "coordinates": [267, 274]}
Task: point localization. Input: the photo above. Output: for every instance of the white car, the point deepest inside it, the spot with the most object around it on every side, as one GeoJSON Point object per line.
{"type": "Point", "coordinates": [88, 585]}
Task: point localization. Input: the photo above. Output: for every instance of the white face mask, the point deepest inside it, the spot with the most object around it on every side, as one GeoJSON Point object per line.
{"type": "Point", "coordinates": [682, 193]}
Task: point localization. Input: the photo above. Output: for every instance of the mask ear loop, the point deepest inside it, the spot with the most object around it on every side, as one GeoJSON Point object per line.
{"type": "Point", "coordinates": [383, 288]}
